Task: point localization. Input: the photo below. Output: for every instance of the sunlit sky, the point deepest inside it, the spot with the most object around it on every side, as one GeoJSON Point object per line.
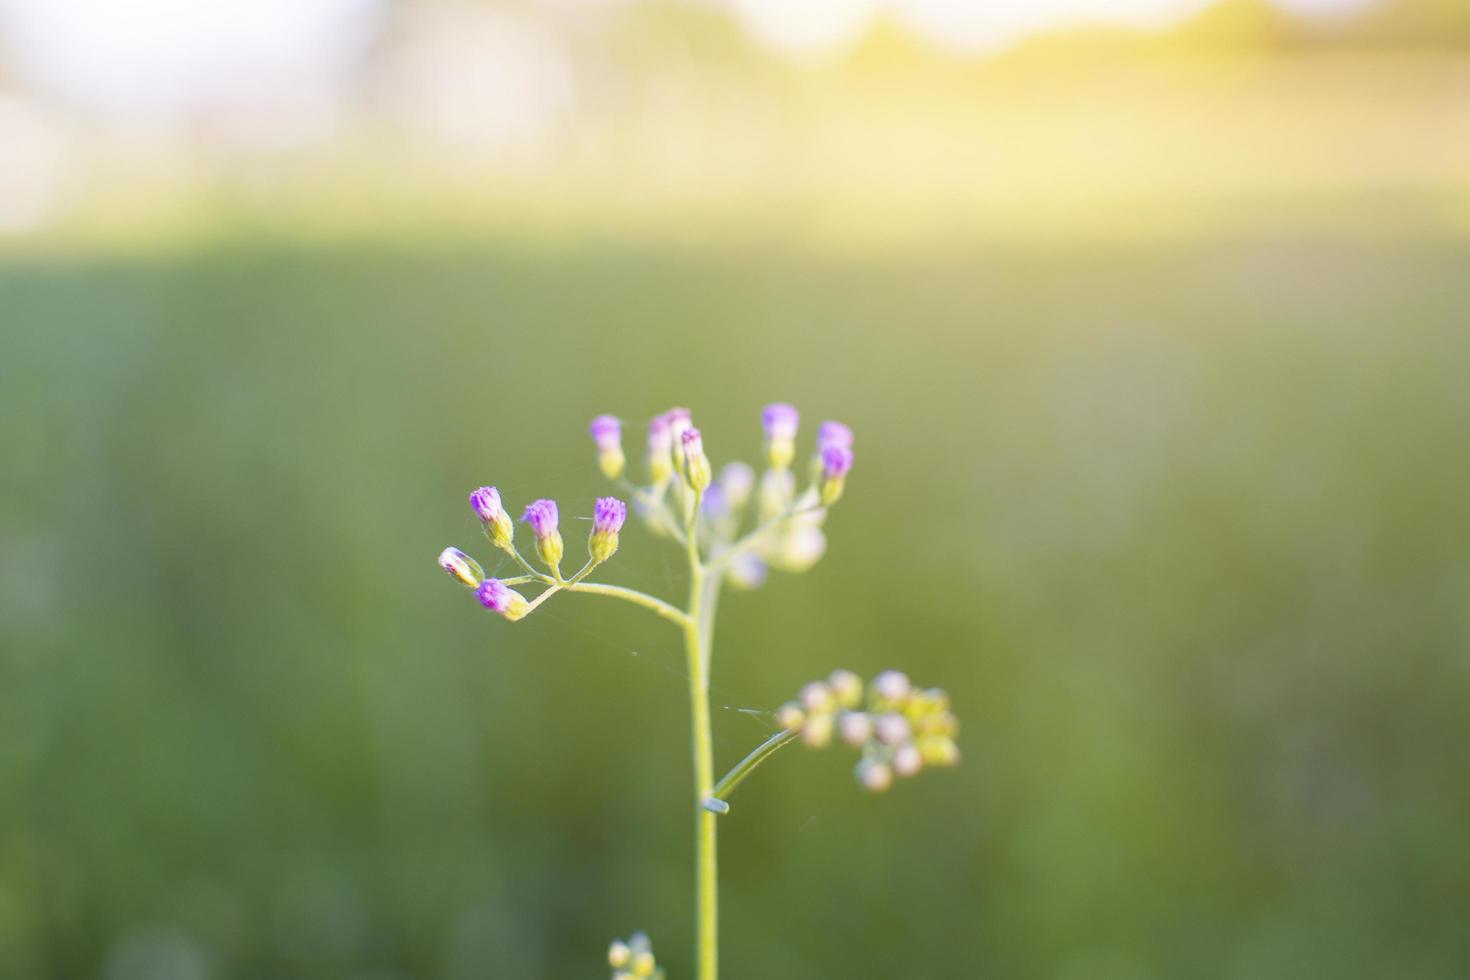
{"type": "Point", "coordinates": [156, 56]}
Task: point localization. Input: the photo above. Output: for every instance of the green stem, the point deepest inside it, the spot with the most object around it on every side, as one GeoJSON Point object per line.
{"type": "Point", "coordinates": [706, 874]}
{"type": "Point", "coordinates": [733, 778]}
{"type": "Point", "coordinates": [697, 633]}
{"type": "Point", "coordinates": [670, 612]}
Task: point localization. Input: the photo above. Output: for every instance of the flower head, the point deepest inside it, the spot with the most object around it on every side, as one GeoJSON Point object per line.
{"type": "Point", "coordinates": [833, 434]}
{"type": "Point", "coordinates": [780, 421]}
{"type": "Point", "coordinates": [461, 567]}
{"type": "Point", "coordinates": [542, 516]}
{"type": "Point", "coordinates": [485, 502]}
{"type": "Point", "coordinates": [498, 597]}
{"type": "Point", "coordinates": [696, 463]}
{"type": "Point", "coordinates": [607, 434]}
{"type": "Point", "coordinates": [836, 462]}
{"type": "Point", "coordinates": [608, 515]}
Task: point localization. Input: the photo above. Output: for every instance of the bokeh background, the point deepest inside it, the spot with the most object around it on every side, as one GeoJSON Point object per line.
{"type": "Point", "coordinates": [1150, 317]}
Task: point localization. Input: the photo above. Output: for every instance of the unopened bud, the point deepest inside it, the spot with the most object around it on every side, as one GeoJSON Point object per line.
{"type": "Point", "coordinates": [780, 421]}
{"type": "Point", "coordinates": [497, 597]}
{"type": "Point", "coordinates": [847, 687]}
{"type": "Point", "coordinates": [856, 728]}
{"type": "Point", "coordinates": [618, 954]}
{"type": "Point", "coordinates": [906, 760]}
{"type": "Point", "coordinates": [747, 572]}
{"type": "Point", "coordinates": [461, 567]}
{"type": "Point", "coordinates": [777, 489]}
{"type": "Point", "coordinates": [543, 517]}
{"type": "Point", "coordinates": [874, 775]}
{"type": "Point", "coordinates": [485, 502]}
{"type": "Point", "coordinates": [696, 463]}
{"type": "Point", "coordinates": [608, 515]}
{"type": "Point", "coordinates": [817, 698]}
{"type": "Point", "coordinates": [836, 462]}
{"type": "Point", "coordinates": [660, 451]}
{"type": "Point", "coordinates": [817, 732]}
{"type": "Point", "coordinates": [737, 480]}
{"type": "Point", "coordinates": [790, 715]}
{"type": "Point", "coordinates": [679, 422]}
{"type": "Point", "coordinates": [607, 434]}
{"type": "Point", "coordinates": [892, 685]}
{"type": "Point", "coordinates": [892, 729]}
{"type": "Point", "coordinates": [939, 751]}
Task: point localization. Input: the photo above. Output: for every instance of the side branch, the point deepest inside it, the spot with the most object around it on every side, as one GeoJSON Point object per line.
{"type": "Point", "coordinates": [718, 797]}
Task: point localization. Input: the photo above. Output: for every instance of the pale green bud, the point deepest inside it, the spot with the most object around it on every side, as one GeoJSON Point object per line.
{"type": "Point", "coordinates": [696, 463]}
{"type": "Point", "coordinates": [817, 733]}
{"type": "Point", "coordinates": [939, 751]}
{"type": "Point", "coordinates": [790, 715]}
{"type": "Point", "coordinates": [461, 567]}
{"type": "Point", "coordinates": [847, 687]}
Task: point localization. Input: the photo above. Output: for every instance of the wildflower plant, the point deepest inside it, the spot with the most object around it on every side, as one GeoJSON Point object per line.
{"type": "Point", "coordinates": [898, 729]}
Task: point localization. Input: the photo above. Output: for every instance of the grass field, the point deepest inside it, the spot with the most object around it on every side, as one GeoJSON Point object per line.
{"type": "Point", "coordinates": [1181, 525]}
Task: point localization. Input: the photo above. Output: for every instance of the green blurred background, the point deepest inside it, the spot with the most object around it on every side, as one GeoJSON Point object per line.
{"type": "Point", "coordinates": [1154, 343]}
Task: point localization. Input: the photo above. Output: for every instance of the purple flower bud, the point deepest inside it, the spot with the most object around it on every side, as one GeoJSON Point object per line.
{"type": "Point", "coordinates": [907, 760]}
{"type": "Point", "coordinates": [833, 434]}
{"type": "Point", "coordinates": [736, 482]}
{"type": "Point", "coordinates": [780, 421]}
{"type": "Point", "coordinates": [836, 461]}
{"type": "Point", "coordinates": [660, 436]}
{"type": "Point", "coordinates": [608, 515]}
{"type": "Point", "coordinates": [607, 433]}
{"type": "Point", "coordinates": [497, 597]}
{"type": "Point", "coordinates": [486, 504]}
{"type": "Point", "coordinates": [542, 516]}
{"type": "Point", "coordinates": [696, 463]}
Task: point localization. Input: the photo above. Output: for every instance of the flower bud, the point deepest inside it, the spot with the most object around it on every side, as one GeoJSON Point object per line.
{"type": "Point", "coordinates": [737, 480]}
{"type": "Point", "coordinates": [892, 685]}
{"type": "Point", "coordinates": [660, 451]}
{"type": "Point", "coordinates": [643, 964]}
{"type": "Point", "coordinates": [542, 516]}
{"type": "Point", "coordinates": [817, 698]}
{"type": "Point", "coordinates": [799, 550]}
{"type": "Point", "coordinates": [618, 954]}
{"type": "Point", "coordinates": [847, 687]}
{"type": "Point", "coordinates": [874, 775]}
{"type": "Point", "coordinates": [856, 728]}
{"type": "Point", "coordinates": [817, 732]}
{"type": "Point", "coordinates": [696, 463]}
{"type": "Point", "coordinates": [497, 597]}
{"type": "Point", "coordinates": [906, 760]}
{"type": "Point", "coordinates": [833, 434]}
{"type": "Point", "coordinates": [747, 572]}
{"type": "Point", "coordinates": [892, 729]}
{"type": "Point", "coordinates": [790, 715]}
{"type": "Point", "coordinates": [461, 567]}
{"type": "Point", "coordinates": [777, 489]}
{"type": "Point", "coordinates": [608, 515]}
{"type": "Point", "coordinates": [939, 751]}
{"type": "Point", "coordinates": [679, 422]}
{"type": "Point", "coordinates": [780, 421]}
{"type": "Point", "coordinates": [607, 434]}
{"type": "Point", "coordinates": [836, 461]}
{"type": "Point", "coordinates": [485, 502]}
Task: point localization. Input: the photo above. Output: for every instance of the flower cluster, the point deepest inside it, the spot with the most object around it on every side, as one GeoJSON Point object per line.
{"type": "Point", "coordinates": [788, 532]}
{"type": "Point", "coordinates": [608, 515]}
{"type": "Point", "coordinates": [633, 959]}
{"type": "Point", "coordinates": [900, 728]}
